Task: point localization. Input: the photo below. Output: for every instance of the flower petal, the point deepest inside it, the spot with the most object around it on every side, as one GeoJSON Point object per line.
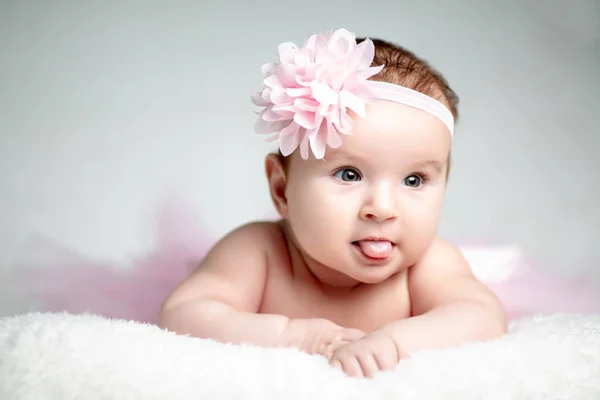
{"type": "Point", "coordinates": [334, 117]}
{"type": "Point", "coordinates": [363, 54]}
{"type": "Point", "coordinates": [258, 100]}
{"type": "Point", "coordinates": [305, 119]}
{"type": "Point", "coordinates": [261, 126]}
{"type": "Point", "coordinates": [266, 94]}
{"type": "Point", "coordinates": [285, 112]}
{"type": "Point", "coordinates": [369, 72]}
{"type": "Point", "coordinates": [336, 79]}
{"type": "Point", "coordinates": [310, 41]}
{"type": "Point", "coordinates": [279, 95]}
{"type": "Point", "coordinates": [317, 145]}
{"type": "Point", "coordinates": [302, 58]}
{"type": "Point", "coordinates": [268, 68]}
{"type": "Point", "coordinates": [305, 80]}
{"type": "Point", "coordinates": [312, 133]}
{"type": "Point", "coordinates": [271, 116]}
{"type": "Point", "coordinates": [273, 81]}
{"type": "Point", "coordinates": [323, 93]}
{"type": "Point", "coordinates": [353, 102]}
{"type": "Point", "coordinates": [289, 139]}
{"type": "Point", "coordinates": [334, 140]}
{"type": "Point", "coordinates": [306, 105]}
{"type": "Point", "coordinates": [320, 48]}
{"type": "Point", "coordinates": [286, 52]}
{"type": "Point", "coordinates": [298, 92]}
{"type": "Point", "coordinates": [287, 74]}
{"type": "Point", "coordinates": [304, 147]}
{"type": "Point", "coordinates": [346, 124]}
{"type": "Point", "coordinates": [342, 42]}
{"type": "Point", "coordinates": [272, 138]}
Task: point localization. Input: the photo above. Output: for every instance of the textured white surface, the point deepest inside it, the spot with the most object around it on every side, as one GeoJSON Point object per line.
{"type": "Point", "coordinates": [62, 356]}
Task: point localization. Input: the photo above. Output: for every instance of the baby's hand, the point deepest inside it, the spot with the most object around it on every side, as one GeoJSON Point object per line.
{"type": "Point", "coordinates": [363, 358]}
{"type": "Point", "coordinates": [319, 335]}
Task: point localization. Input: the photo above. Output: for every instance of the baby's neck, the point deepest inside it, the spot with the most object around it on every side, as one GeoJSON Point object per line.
{"type": "Point", "coordinates": [309, 271]}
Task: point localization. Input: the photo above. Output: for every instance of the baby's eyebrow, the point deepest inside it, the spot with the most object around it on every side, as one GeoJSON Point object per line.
{"type": "Point", "coordinates": [339, 155]}
{"type": "Point", "coordinates": [434, 164]}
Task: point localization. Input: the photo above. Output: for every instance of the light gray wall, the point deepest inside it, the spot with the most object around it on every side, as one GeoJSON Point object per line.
{"type": "Point", "coordinates": [107, 105]}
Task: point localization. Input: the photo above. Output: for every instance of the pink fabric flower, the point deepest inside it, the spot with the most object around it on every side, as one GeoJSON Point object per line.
{"type": "Point", "coordinates": [310, 91]}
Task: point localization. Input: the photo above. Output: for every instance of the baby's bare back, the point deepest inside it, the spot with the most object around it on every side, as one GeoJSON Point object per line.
{"type": "Point", "coordinates": [367, 307]}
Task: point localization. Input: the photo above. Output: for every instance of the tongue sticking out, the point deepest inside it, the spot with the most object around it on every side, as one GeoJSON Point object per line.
{"type": "Point", "coordinates": [375, 248]}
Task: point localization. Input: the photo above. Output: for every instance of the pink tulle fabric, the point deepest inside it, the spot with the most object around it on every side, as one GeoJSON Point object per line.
{"type": "Point", "coordinates": [308, 92]}
{"type": "Point", "coordinates": [537, 291]}
{"type": "Point", "coordinates": [67, 281]}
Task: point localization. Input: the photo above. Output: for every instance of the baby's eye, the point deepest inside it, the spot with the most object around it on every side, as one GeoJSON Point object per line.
{"type": "Point", "coordinates": [348, 175]}
{"type": "Point", "coordinates": [413, 181]}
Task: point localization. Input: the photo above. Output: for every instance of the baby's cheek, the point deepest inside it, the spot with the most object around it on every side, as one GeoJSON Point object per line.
{"type": "Point", "coordinates": [315, 223]}
{"type": "Point", "coordinates": [418, 239]}
{"type": "Point", "coordinates": [316, 228]}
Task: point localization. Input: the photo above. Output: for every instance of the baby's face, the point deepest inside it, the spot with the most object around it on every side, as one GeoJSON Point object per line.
{"type": "Point", "coordinates": [386, 182]}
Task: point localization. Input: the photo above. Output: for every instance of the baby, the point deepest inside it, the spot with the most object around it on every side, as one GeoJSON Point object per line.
{"type": "Point", "coordinates": [354, 269]}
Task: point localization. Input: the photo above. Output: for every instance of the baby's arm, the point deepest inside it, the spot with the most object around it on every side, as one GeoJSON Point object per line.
{"type": "Point", "coordinates": [221, 299]}
{"type": "Point", "coordinates": [450, 306]}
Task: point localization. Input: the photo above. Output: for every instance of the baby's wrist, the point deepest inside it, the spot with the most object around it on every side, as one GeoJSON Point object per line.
{"type": "Point", "coordinates": [394, 334]}
{"type": "Point", "coordinates": [293, 333]}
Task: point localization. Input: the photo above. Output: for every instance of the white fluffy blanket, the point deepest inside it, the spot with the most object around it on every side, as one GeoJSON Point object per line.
{"type": "Point", "coordinates": [64, 356]}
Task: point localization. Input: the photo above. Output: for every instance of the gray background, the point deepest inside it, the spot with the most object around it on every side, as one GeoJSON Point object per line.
{"type": "Point", "coordinates": [106, 106]}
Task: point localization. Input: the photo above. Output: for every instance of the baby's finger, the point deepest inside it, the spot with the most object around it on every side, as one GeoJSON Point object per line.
{"type": "Point", "coordinates": [329, 349]}
{"type": "Point", "coordinates": [335, 346]}
{"type": "Point", "coordinates": [386, 361]}
{"type": "Point", "coordinates": [351, 334]}
{"type": "Point", "coordinates": [352, 367]}
{"type": "Point", "coordinates": [368, 364]}
{"type": "Point", "coordinates": [325, 350]}
{"type": "Point", "coordinates": [337, 364]}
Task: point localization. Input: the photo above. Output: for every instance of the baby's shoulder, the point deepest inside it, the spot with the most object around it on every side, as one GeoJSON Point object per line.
{"type": "Point", "coordinates": [257, 234]}
{"type": "Point", "coordinates": [250, 244]}
{"type": "Point", "coordinates": [442, 260]}
{"type": "Point", "coordinates": [441, 249]}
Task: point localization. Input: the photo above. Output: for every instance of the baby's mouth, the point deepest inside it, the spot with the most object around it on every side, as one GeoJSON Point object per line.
{"type": "Point", "coordinates": [378, 249]}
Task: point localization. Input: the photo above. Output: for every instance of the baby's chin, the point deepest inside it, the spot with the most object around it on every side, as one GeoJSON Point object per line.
{"type": "Point", "coordinates": [370, 275]}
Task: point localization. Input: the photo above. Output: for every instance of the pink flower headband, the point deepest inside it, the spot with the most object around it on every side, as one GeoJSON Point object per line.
{"type": "Point", "coordinates": [308, 93]}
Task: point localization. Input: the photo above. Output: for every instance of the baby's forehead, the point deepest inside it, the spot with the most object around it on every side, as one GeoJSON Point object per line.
{"type": "Point", "coordinates": [406, 132]}
{"type": "Point", "coordinates": [388, 157]}
{"type": "Point", "coordinates": [395, 143]}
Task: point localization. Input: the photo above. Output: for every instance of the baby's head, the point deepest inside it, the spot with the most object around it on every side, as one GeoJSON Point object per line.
{"type": "Point", "coordinates": [366, 202]}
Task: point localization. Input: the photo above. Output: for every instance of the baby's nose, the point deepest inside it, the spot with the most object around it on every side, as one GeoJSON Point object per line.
{"type": "Point", "coordinates": [380, 207]}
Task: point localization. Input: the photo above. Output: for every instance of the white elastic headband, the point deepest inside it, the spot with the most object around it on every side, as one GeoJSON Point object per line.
{"type": "Point", "coordinates": [410, 97]}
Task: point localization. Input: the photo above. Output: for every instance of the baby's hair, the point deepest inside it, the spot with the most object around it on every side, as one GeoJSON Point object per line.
{"type": "Point", "coordinates": [403, 67]}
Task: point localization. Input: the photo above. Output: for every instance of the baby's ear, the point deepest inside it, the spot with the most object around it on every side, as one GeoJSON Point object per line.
{"type": "Point", "coordinates": [277, 181]}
